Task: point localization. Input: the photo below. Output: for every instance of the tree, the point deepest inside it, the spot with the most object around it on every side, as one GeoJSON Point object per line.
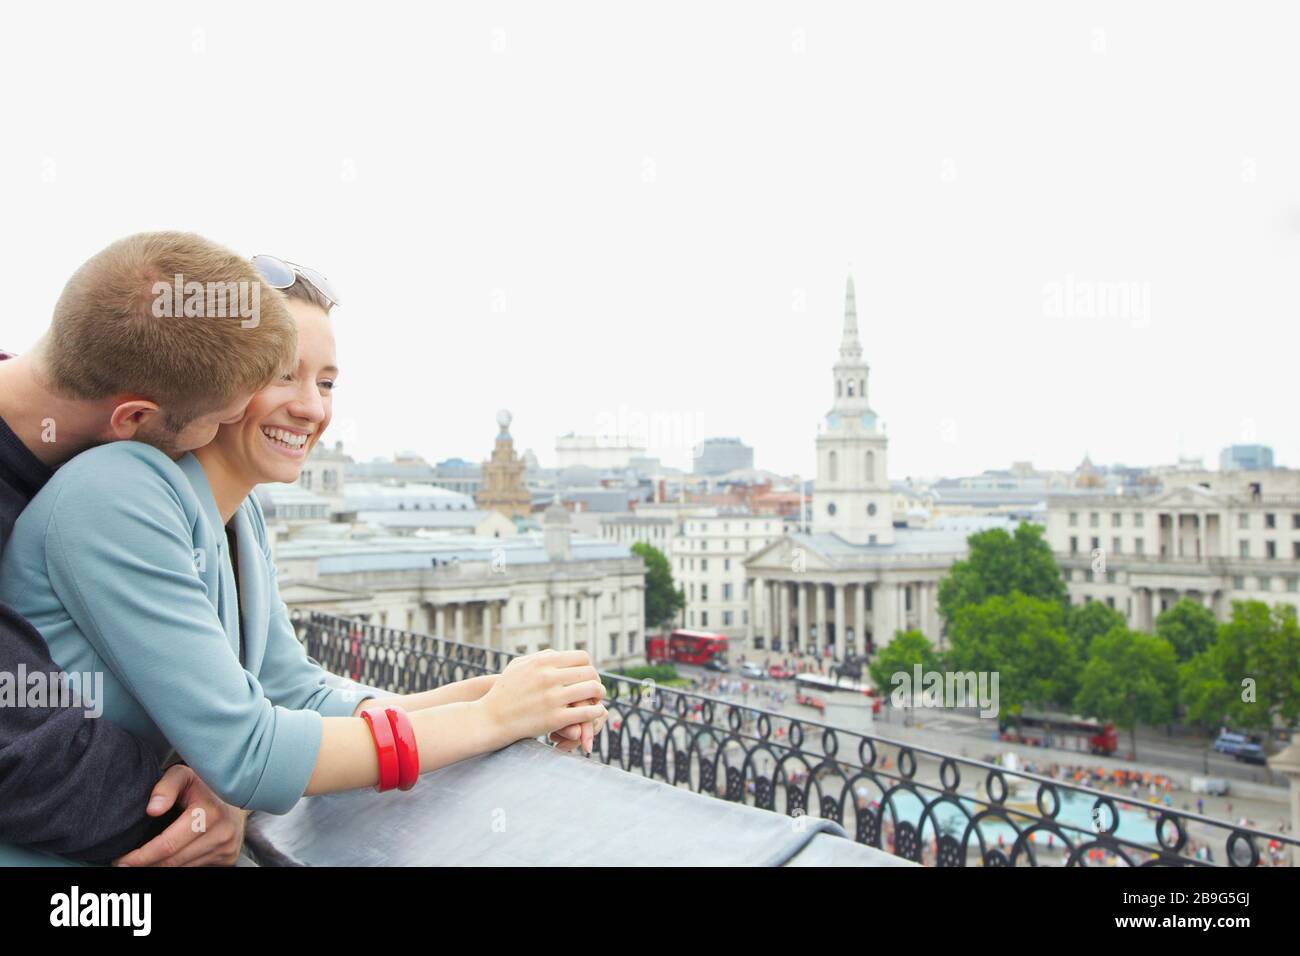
{"type": "Point", "coordinates": [1022, 639]}
{"type": "Point", "coordinates": [1130, 678]}
{"type": "Point", "coordinates": [1189, 626]}
{"type": "Point", "coordinates": [1204, 692]}
{"type": "Point", "coordinates": [900, 656]}
{"type": "Point", "coordinates": [1250, 675]}
{"type": "Point", "coordinates": [998, 564]}
{"type": "Point", "coordinates": [1085, 622]}
{"type": "Point", "coordinates": [662, 599]}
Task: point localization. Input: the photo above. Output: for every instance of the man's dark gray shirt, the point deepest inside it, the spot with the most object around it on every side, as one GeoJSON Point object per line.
{"type": "Point", "coordinates": [69, 784]}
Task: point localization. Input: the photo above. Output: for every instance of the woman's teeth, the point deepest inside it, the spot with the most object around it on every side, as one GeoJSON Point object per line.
{"type": "Point", "coordinates": [288, 439]}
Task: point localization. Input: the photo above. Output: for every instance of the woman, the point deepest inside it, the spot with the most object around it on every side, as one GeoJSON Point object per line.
{"type": "Point", "coordinates": [158, 574]}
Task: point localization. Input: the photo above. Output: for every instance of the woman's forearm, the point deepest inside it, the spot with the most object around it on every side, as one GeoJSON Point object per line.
{"type": "Point", "coordinates": [444, 734]}
{"type": "Point", "coordinates": [472, 688]}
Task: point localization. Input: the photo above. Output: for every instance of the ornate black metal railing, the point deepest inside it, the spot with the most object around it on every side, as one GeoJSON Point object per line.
{"type": "Point", "coordinates": [923, 805]}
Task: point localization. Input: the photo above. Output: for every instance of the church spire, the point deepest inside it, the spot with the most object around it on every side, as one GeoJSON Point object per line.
{"type": "Point", "coordinates": [850, 369]}
{"type": "Point", "coordinates": [850, 345]}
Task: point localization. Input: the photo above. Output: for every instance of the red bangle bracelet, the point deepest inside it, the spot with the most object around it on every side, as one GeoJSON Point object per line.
{"type": "Point", "coordinates": [408, 753]}
{"type": "Point", "coordinates": [385, 747]}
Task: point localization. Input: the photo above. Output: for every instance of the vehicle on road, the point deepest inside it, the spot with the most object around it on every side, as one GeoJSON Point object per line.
{"type": "Point", "coordinates": [686, 647]}
{"type": "Point", "coordinates": [816, 703]}
{"type": "Point", "coordinates": [1214, 786]}
{"type": "Point", "coordinates": [752, 671]}
{"type": "Point", "coordinates": [717, 664]}
{"type": "Point", "coordinates": [777, 672]}
{"type": "Point", "coordinates": [1230, 742]}
{"type": "Point", "coordinates": [1064, 731]}
{"type": "Point", "coordinates": [810, 682]}
{"type": "Point", "coordinates": [1250, 753]}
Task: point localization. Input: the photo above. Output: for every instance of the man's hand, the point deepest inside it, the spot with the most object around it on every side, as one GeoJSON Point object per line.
{"type": "Point", "coordinates": [207, 833]}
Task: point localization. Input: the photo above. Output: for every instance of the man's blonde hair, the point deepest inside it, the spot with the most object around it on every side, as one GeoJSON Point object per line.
{"type": "Point", "coordinates": [116, 331]}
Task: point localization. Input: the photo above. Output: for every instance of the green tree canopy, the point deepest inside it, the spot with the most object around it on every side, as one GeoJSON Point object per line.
{"type": "Point", "coordinates": [1088, 621]}
{"type": "Point", "coordinates": [1189, 626]}
{"type": "Point", "coordinates": [900, 655]}
{"type": "Point", "coordinates": [997, 565]}
{"type": "Point", "coordinates": [662, 600]}
{"type": "Point", "coordinates": [1023, 640]}
{"type": "Point", "coordinates": [1250, 675]}
{"type": "Point", "coordinates": [1130, 678]}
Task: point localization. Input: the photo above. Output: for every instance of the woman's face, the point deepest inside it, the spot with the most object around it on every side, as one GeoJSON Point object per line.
{"type": "Point", "coordinates": [285, 420]}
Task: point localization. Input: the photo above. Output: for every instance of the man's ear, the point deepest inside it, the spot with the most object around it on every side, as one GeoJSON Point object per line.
{"type": "Point", "coordinates": [127, 417]}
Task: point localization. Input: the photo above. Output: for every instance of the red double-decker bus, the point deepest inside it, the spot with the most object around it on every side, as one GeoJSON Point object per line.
{"type": "Point", "coordinates": [1064, 731]}
{"type": "Point", "coordinates": [686, 647]}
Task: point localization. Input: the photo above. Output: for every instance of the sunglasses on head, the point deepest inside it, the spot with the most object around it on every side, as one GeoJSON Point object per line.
{"type": "Point", "coordinates": [281, 274]}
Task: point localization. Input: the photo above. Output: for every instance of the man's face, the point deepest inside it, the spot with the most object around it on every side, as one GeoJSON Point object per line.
{"type": "Point", "coordinates": [200, 430]}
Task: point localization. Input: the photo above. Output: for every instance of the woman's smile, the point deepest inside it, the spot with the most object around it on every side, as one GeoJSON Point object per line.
{"type": "Point", "coordinates": [287, 441]}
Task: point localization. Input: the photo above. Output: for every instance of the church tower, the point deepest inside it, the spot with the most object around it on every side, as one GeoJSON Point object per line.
{"type": "Point", "coordinates": [852, 496]}
{"type": "Point", "coordinates": [503, 489]}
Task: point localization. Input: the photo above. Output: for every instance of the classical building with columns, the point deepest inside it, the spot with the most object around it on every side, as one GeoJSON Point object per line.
{"type": "Point", "coordinates": [853, 580]}
{"type": "Point", "coordinates": [1214, 537]}
{"type": "Point", "coordinates": [519, 593]}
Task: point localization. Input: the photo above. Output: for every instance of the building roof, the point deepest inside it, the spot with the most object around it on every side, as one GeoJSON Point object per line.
{"type": "Point", "coordinates": [389, 553]}
{"type": "Point", "coordinates": [426, 518]}
{"type": "Point", "coordinates": [373, 496]}
{"type": "Point", "coordinates": [948, 542]}
{"type": "Point", "coordinates": [272, 495]}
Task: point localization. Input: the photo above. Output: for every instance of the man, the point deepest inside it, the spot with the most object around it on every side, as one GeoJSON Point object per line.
{"type": "Point", "coordinates": [161, 337]}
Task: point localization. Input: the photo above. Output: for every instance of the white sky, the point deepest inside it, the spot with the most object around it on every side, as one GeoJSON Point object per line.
{"type": "Point", "coordinates": [651, 191]}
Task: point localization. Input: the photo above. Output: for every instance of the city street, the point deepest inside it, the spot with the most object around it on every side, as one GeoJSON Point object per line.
{"type": "Point", "coordinates": [975, 738]}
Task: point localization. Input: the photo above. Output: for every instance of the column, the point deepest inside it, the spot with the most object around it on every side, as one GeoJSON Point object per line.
{"type": "Point", "coordinates": [801, 599]}
{"type": "Point", "coordinates": [936, 622]}
{"type": "Point", "coordinates": [752, 605]}
{"type": "Point", "coordinates": [440, 626]}
{"type": "Point", "coordinates": [821, 616]}
{"type": "Point", "coordinates": [922, 602]}
{"type": "Point", "coordinates": [557, 622]}
{"type": "Point", "coordinates": [623, 647]}
{"type": "Point", "coordinates": [569, 635]}
{"type": "Point", "coordinates": [841, 620]}
{"type": "Point", "coordinates": [783, 619]}
{"type": "Point", "coordinates": [860, 619]}
{"type": "Point", "coordinates": [460, 623]}
{"type": "Point", "coordinates": [884, 602]}
{"type": "Point", "coordinates": [1154, 608]}
{"type": "Point", "coordinates": [593, 646]}
{"type": "Point", "coordinates": [505, 610]}
{"type": "Point", "coordinates": [487, 623]}
{"type": "Point", "coordinates": [901, 617]}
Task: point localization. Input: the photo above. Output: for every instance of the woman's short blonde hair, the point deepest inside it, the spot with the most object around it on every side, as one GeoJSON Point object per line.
{"type": "Point", "coordinates": [306, 292]}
